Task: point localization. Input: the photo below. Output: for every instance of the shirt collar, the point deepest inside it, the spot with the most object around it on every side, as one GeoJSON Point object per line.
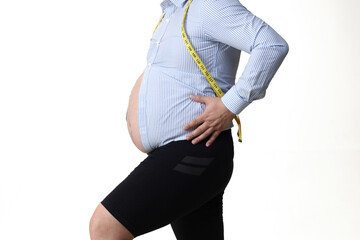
{"type": "Point", "coordinates": [178, 3]}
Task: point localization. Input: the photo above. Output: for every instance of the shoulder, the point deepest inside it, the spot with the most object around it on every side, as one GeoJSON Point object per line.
{"type": "Point", "coordinates": [222, 7]}
{"type": "Point", "coordinates": [221, 3]}
{"type": "Point", "coordinates": [223, 10]}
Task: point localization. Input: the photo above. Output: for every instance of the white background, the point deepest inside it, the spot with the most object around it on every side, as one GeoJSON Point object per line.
{"type": "Point", "coordinates": [66, 72]}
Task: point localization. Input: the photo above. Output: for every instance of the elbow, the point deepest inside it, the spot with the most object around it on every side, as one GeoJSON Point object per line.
{"type": "Point", "coordinates": [284, 48]}
{"type": "Point", "coordinates": [270, 40]}
{"type": "Point", "coordinates": [281, 47]}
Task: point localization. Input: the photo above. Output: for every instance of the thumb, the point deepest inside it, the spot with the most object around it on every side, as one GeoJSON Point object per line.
{"type": "Point", "coordinates": [199, 98]}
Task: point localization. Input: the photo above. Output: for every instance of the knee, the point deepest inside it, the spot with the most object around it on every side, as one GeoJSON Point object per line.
{"type": "Point", "coordinates": [97, 226]}
{"type": "Point", "coordinates": [103, 226]}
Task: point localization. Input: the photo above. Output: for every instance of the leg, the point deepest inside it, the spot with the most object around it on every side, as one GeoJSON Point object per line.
{"type": "Point", "coordinates": [205, 222]}
{"type": "Point", "coordinates": [173, 181]}
{"type": "Point", "coordinates": [103, 226]}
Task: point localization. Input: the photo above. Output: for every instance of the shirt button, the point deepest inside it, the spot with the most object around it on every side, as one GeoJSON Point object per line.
{"type": "Point", "coordinates": [149, 64]}
{"type": "Point", "coordinates": [167, 20]}
{"type": "Point", "coordinates": [158, 42]}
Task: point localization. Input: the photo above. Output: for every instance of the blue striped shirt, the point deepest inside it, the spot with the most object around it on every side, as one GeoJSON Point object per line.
{"type": "Point", "coordinates": [218, 30]}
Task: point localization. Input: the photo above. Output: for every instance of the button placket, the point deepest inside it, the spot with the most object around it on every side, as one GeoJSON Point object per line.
{"type": "Point", "coordinates": [167, 20]}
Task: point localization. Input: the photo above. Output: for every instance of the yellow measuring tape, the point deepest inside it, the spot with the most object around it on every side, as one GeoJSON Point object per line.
{"type": "Point", "coordinates": [201, 65]}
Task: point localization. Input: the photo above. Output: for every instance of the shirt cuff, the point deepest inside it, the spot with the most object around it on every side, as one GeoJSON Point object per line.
{"type": "Point", "coordinates": [233, 101]}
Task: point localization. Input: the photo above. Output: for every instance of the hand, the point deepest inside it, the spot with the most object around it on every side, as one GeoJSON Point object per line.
{"type": "Point", "coordinates": [213, 120]}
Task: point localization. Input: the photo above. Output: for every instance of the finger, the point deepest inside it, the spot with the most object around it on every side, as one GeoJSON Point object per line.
{"type": "Point", "coordinates": [196, 121]}
{"type": "Point", "coordinates": [199, 98]}
{"type": "Point", "coordinates": [202, 136]}
{"type": "Point", "coordinates": [199, 130]}
{"type": "Point", "coordinates": [212, 138]}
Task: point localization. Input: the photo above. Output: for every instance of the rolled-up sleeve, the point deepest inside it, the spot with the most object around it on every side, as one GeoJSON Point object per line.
{"type": "Point", "coordinates": [229, 22]}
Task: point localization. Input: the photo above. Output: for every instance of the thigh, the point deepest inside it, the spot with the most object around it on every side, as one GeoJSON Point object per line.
{"type": "Point", "coordinates": [171, 182]}
{"type": "Point", "coordinates": [205, 222]}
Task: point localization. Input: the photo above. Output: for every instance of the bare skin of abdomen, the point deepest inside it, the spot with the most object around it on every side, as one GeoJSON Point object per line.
{"type": "Point", "coordinates": [132, 115]}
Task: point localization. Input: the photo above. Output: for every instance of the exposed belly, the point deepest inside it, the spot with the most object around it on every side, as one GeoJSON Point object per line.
{"type": "Point", "coordinates": [132, 115]}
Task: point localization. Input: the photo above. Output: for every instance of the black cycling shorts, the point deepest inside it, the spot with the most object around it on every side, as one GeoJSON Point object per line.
{"type": "Point", "coordinates": [179, 184]}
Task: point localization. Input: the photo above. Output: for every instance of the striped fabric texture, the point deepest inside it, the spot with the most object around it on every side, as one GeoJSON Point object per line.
{"type": "Point", "coordinates": [218, 30]}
